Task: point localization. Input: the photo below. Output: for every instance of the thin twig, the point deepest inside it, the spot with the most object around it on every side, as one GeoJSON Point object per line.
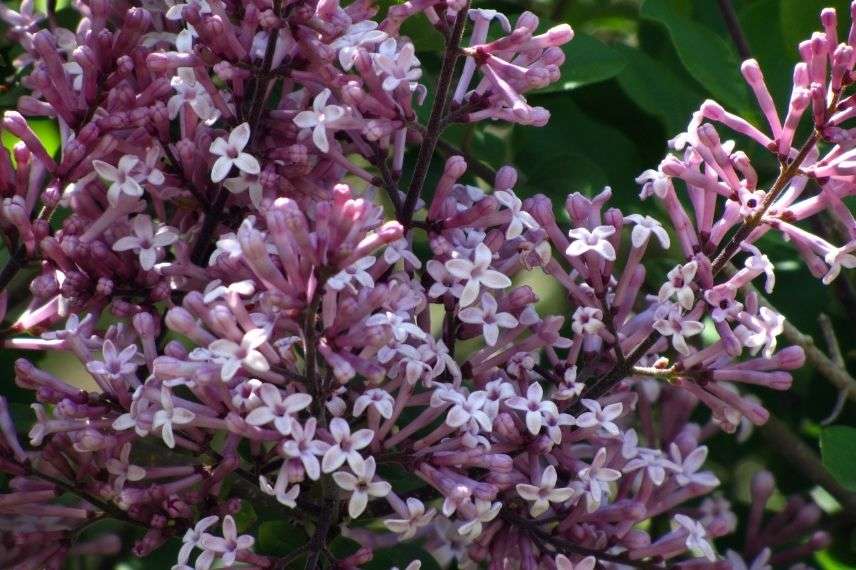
{"type": "Point", "coordinates": [436, 122]}
{"type": "Point", "coordinates": [734, 28]}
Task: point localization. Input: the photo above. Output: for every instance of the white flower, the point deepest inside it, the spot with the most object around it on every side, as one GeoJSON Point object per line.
{"type": "Point", "coordinates": [756, 331]}
{"type": "Point", "coordinates": [477, 273]}
{"type": "Point", "coordinates": [672, 324]}
{"type": "Point", "coordinates": [116, 364]}
{"type": "Point", "coordinates": [399, 65]}
{"type": "Point", "coordinates": [246, 183]}
{"type": "Point", "coordinates": [319, 119]}
{"type": "Point", "coordinates": [696, 536]}
{"type": "Point", "coordinates": [400, 324]}
{"type": "Point", "coordinates": [231, 153]}
{"type": "Point", "coordinates": [645, 226]}
{"type": "Point", "coordinates": [602, 417]}
{"type": "Point", "coordinates": [380, 400]}
{"type": "Point", "coordinates": [533, 406]}
{"type": "Point", "coordinates": [234, 355]}
{"type": "Point", "coordinates": [277, 409]}
{"type": "Point", "coordinates": [488, 318]}
{"type": "Point", "coordinates": [496, 392]}
{"type": "Point", "coordinates": [120, 178]}
{"type": "Point", "coordinates": [192, 538]}
{"type": "Point", "coordinates": [687, 468]}
{"type": "Point", "coordinates": [346, 446]}
{"type": "Point", "coordinates": [444, 282]}
{"type": "Point", "coordinates": [305, 447]}
{"type": "Point", "coordinates": [191, 92]}
{"type": "Point", "coordinates": [519, 217]}
{"type": "Point", "coordinates": [356, 272]}
{"type": "Point", "coordinates": [280, 490]}
{"type": "Point", "coordinates": [554, 422]}
{"type": "Point", "coordinates": [544, 493]}
{"type": "Point", "coordinates": [122, 468]}
{"type": "Point", "coordinates": [485, 512]}
{"type": "Point", "coordinates": [569, 387]}
{"type": "Point", "coordinates": [838, 258]}
{"type": "Point", "coordinates": [654, 463]}
{"type": "Point", "coordinates": [468, 411]}
{"type": "Point", "coordinates": [587, 320]}
{"type": "Point", "coordinates": [416, 519]}
{"type": "Point", "coordinates": [400, 250]}
{"type": "Point", "coordinates": [679, 285]}
{"type": "Point", "coordinates": [359, 34]}
{"type": "Point", "coordinates": [597, 478]}
{"type": "Point", "coordinates": [362, 486]}
{"type": "Point", "coordinates": [146, 240]}
{"type": "Point", "coordinates": [594, 240]}
{"type": "Point", "coordinates": [169, 415]}
{"type": "Point", "coordinates": [228, 546]}
{"type": "Point", "coordinates": [215, 290]}
{"type": "Point", "coordinates": [175, 8]}
{"type": "Point", "coordinates": [564, 563]}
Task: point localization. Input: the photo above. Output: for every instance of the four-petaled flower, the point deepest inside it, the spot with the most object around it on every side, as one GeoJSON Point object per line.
{"type": "Point", "coordinates": [305, 447]}
{"type": "Point", "coordinates": [838, 258]}
{"type": "Point", "coordinates": [120, 178]}
{"type": "Point", "coordinates": [231, 153]}
{"type": "Point", "coordinates": [645, 226]}
{"type": "Point", "coordinates": [145, 241]}
{"type": "Point", "coordinates": [477, 273]}
{"type": "Point", "coordinates": [380, 400]}
{"type": "Point", "coordinates": [687, 468]}
{"type": "Point", "coordinates": [399, 65]}
{"type": "Point", "coordinates": [361, 485]}
{"type": "Point", "coordinates": [602, 417]}
{"type": "Point", "coordinates": [230, 545]}
{"type": "Point", "coordinates": [115, 364]}
{"type": "Point", "coordinates": [416, 518]}
{"type": "Point", "coordinates": [467, 410]}
{"type": "Point", "coordinates": [122, 468]}
{"type": "Point", "coordinates": [564, 563]}
{"type": "Point", "coordinates": [233, 355]}
{"type": "Point", "coordinates": [488, 318]}
{"type": "Point", "coordinates": [670, 322]}
{"type": "Point", "coordinates": [356, 272]}
{"type": "Point", "coordinates": [519, 218]}
{"type": "Point", "coordinates": [357, 35]}
{"type": "Point", "coordinates": [277, 409]}
{"type": "Point", "coordinates": [168, 416]}
{"type": "Point", "coordinates": [346, 446]}
{"type": "Point", "coordinates": [544, 493]}
{"type": "Point", "coordinates": [319, 119]}
{"type": "Point", "coordinates": [193, 539]}
{"type": "Point", "coordinates": [679, 285]}
{"type": "Point", "coordinates": [533, 406]}
{"type": "Point", "coordinates": [696, 536]}
{"type": "Point", "coordinates": [486, 511]}
{"type": "Point", "coordinates": [586, 240]}
{"type": "Point", "coordinates": [596, 477]}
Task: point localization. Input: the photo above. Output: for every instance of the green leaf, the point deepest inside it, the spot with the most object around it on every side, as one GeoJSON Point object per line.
{"type": "Point", "coordinates": [657, 90]}
{"type": "Point", "coordinates": [46, 130]}
{"type": "Point", "coordinates": [278, 538]}
{"type": "Point", "coordinates": [246, 517]}
{"type": "Point", "coordinates": [589, 60]}
{"type": "Point", "coordinates": [798, 19]}
{"type": "Point", "coordinates": [707, 56]}
{"type": "Point", "coordinates": [401, 555]}
{"type": "Point", "coordinates": [837, 444]}
{"type": "Point", "coordinates": [575, 151]}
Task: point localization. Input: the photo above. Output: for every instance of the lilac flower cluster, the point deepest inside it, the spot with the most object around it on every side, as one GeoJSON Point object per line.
{"type": "Point", "coordinates": [236, 271]}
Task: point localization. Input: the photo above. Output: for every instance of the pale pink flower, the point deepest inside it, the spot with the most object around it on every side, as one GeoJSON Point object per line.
{"type": "Point", "coordinates": [585, 240]}
{"type": "Point", "coordinates": [346, 446]}
{"type": "Point", "coordinates": [231, 544]}
{"type": "Point", "coordinates": [277, 409]}
{"type": "Point", "coordinates": [361, 485]}
{"type": "Point", "coordinates": [544, 493]}
{"type": "Point", "coordinates": [320, 118]}
{"type": "Point", "coordinates": [145, 241]}
{"type": "Point", "coordinates": [477, 273]}
{"type": "Point", "coordinates": [231, 153]}
{"type": "Point", "coordinates": [533, 406]}
{"type": "Point", "coordinates": [488, 317]}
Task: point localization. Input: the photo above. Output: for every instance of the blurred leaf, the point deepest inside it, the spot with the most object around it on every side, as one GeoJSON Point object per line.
{"type": "Point", "coordinates": [588, 60]}
{"type": "Point", "coordinates": [246, 517]}
{"type": "Point", "coordinates": [707, 56]}
{"type": "Point", "coordinates": [667, 97]}
{"type": "Point", "coordinates": [278, 538]}
{"type": "Point", "coordinates": [582, 152]}
{"type": "Point", "coordinates": [401, 555]}
{"type": "Point", "coordinates": [799, 18]}
{"type": "Point", "coordinates": [837, 444]}
{"type": "Point", "coordinates": [776, 56]}
{"type": "Point", "coordinates": [46, 130]}
{"type": "Point", "coordinates": [42, 5]}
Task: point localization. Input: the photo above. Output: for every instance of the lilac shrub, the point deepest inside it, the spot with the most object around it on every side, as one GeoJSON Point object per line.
{"type": "Point", "coordinates": [271, 311]}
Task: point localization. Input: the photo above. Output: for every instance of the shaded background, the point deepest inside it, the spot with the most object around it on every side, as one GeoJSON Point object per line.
{"type": "Point", "coordinates": [635, 72]}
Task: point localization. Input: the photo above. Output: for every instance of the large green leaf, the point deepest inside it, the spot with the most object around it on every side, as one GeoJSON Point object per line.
{"type": "Point", "coordinates": [278, 538]}
{"type": "Point", "coordinates": [707, 56]}
{"type": "Point", "coordinates": [589, 60]}
{"type": "Point", "coordinates": [657, 90]}
{"type": "Point", "coordinates": [838, 449]}
{"type": "Point", "coordinates": [799, 18]}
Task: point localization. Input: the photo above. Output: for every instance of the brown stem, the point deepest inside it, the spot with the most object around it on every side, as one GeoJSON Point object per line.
{"type": "Point", "coordinates": [436, 122]}
{"type": "Point", "coordinates": [734, 28]}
